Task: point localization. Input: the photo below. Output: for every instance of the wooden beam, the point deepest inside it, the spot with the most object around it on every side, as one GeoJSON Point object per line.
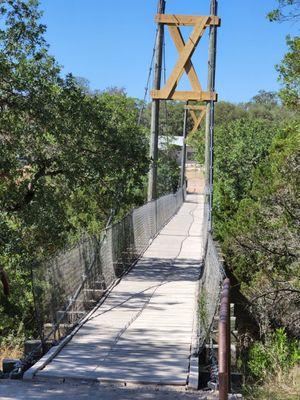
{"type": "Point", "coordinates": [184, 63]}
{"type": "Point", "coordinates": [198, 121]}
{"type": "Point", "coordinates": [189, 68]}
{"type": "Point", "coordinates": [186, 20]}
{"type": "Point", "coordinates": [193, 108]}
{"type": "Point", "coordinates": [190, 107]}
{"type": "Point", "coordinates": [194, 116]}
{"type": "Point", "coordinates": [184, 95]}
{"type": "Point", "coordinates": [184, 56]}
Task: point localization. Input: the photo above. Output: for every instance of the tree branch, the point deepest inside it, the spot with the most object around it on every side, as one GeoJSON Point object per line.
{"type": "Point", "coordinates": [29, 195]}
{"type": "Point", "coordinates": [274, 292]}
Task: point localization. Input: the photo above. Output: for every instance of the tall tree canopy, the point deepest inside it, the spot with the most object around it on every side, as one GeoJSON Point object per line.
{"type": "Point", "coordinates": [69, 158]}
{"type": "Point", "coordinates": [289, 74]}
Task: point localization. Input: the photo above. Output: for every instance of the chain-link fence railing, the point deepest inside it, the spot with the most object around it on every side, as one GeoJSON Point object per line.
{"type": "Point", "coordinates": [71, 283]}
{"type": "Point", "coordinates": [210, 289]}
{"type": "Point", "coordinates": [212, 279]}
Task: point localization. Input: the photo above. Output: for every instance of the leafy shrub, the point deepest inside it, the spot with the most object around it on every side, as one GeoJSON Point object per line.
{"type": "Point", "coordinates": [275, 357]}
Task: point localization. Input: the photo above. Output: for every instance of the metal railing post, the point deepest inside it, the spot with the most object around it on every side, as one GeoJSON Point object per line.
{"type": "Point", "coordinates": [224, 342]}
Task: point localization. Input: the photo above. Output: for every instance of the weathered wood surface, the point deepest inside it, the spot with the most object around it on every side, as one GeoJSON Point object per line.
{"type": "Point", "coordinates": [143, 331]}
{"type": "Point", "coordinates": [184, 63]}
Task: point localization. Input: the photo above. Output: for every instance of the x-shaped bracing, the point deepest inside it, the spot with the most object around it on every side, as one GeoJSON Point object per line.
{"type": "Point", "coordinates": [201, 111]}
{"type": "Point", "coordinates": [184, 63]}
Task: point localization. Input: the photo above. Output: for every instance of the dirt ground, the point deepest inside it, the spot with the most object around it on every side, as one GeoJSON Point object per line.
{"type": "Point", "coordinates": [195, 178]}
{"type": "Point", "coordinates": [23, 390]}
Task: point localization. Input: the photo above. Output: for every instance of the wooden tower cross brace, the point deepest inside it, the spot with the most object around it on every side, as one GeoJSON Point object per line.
{"type": "Point", "coordinates": [184, 63]}
{"type": "Point", "coordinates": [196, 118]}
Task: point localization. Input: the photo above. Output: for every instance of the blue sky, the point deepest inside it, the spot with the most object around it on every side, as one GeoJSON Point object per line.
{"type": "Point", "coordinates": [110, 43]}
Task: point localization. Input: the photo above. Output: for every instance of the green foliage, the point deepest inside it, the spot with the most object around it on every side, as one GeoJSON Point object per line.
{"type": "Point", "coordinates": [171, 125]}
{"type": "Point", "coordinates": [226, 112]}
{"type": "Point", "coordinates": [256, 196]}
{"type": "Point", "coordinates": [168, 171]}
{"type": "Point", "coordinates": [15, 339]}
{"type": "Point", "coordinates": [261, 239]}
{"type": "Point", "coordinates": [268, 99]}
{"type": "Point", "coordinates": [171, 118]}
{"type": "Point", "coordinates": [239, 148]}
{"type": "Point", "coordinates": [287, 10]}
{"type": "Point", "coordinates": [276, 356]}
{"type": "Point", "coordinates": [270, 392]}
{"type": "Point", "coordinates": [289, 74]}
{"type": "Point", "coordinates": [256, 210]}
{"type": "Point", "coordinates": [69, 157]}
{"type": "Point", "coordinates": [264, 106]}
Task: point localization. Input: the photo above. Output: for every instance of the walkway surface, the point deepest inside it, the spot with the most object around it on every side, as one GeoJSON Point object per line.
{"type": "Point", "coordinates": [144, 330]}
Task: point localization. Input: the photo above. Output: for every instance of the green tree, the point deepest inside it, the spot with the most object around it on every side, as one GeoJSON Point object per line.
{"type": "Point", "coordinates": [286, 10]}
{"type": "Point", "coordinates": [239, 147]}
{"type": "Point", "coordinates": [168, 170]}
{"type": "Point", "coordinates": [226, 112]}
{"type": "Point", "coordinates": [262, 240]}
{"type": "Point", "coordinates": [264, 106]}
{"type": "Point", "coordinates": [289, 68]}
{"type": "Point", "coordinates": [68, 157]}
{"type": "Point", "coordinates": [269, 99]}
{"type": "Point", "coordinates": [289, 74]}
{"type": "Point", "coordinates": [170, 126]}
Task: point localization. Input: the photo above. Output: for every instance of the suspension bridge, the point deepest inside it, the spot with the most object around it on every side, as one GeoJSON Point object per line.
{"type": "Point", "coordinates": [137, 305]}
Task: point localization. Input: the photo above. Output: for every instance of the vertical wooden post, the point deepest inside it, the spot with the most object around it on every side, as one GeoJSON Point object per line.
{"type": "Point", "coordinates": [183, 154]}
{"type": "Point", "coordinates": [210, 111]}
{"type": "Point", "coordinates": [152, 179]}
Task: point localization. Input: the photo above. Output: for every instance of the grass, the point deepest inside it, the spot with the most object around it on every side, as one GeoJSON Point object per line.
{"type": "Point", "coordinates": [274, 390]}
{"type": "Point", "coordinates": [11, 346]}
{"type": "Point", "coordinates": [10, 352]}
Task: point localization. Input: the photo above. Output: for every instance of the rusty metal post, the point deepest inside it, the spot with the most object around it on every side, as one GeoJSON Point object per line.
{"type": "Point", "coordinates": [224, 342]}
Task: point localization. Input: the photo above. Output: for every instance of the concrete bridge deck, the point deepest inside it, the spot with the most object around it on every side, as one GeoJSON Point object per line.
{"type": "Point", "coordinates": [144, 330]}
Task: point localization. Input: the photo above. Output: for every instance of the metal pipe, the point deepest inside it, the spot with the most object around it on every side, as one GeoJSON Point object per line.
{"type": "Point", "coordinates": [224, 342]}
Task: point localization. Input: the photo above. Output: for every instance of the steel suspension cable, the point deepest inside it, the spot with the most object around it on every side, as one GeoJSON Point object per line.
{"type": "Point", "coordinates": [165, 80]}
{"type": "Point", "coordinates": [150, 72]}
{"type": "Point", "coordinates": [148, 81]}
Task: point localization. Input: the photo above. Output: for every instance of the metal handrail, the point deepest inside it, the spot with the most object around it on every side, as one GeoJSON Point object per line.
{"type": "Point", "coordinates": [224, 342]}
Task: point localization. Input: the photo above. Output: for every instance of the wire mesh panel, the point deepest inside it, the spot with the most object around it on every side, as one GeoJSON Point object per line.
{"type": "Point", "coordinates": [143, 226]}
{"type": "Point", "coordinates": [60, 275]}
{"type": "Point", "coordinates": [106, 256]}
{"type": "Point", "coordinates": [205, 226]}
{"type": "Point", "coordinates": [122, 241]}
{"type": "Point", "coordinates": [211, 281]}
{"type": "Point", "coordinates": [72, 282]}
{"type": "Point", "coordinates": [211, 286]}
